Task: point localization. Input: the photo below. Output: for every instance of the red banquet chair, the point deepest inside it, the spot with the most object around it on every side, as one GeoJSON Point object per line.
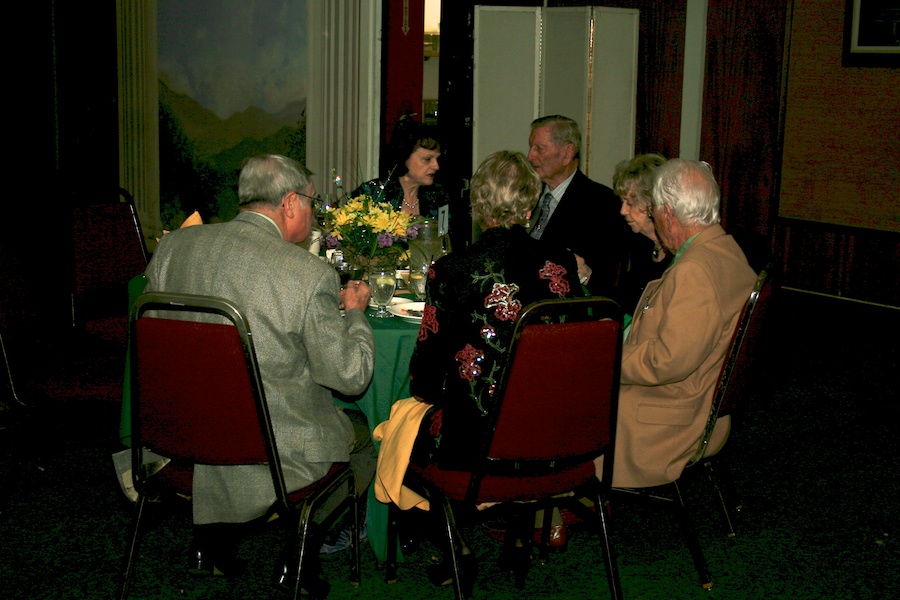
{"type": "Point", "coordinates": [547, 430]}
{"type": "Point", "coordinates": [197, 398]}
{"type": "Point", "coordinates": [108, 249]}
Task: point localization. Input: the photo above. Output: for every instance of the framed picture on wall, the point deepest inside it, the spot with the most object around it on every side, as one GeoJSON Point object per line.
{"type": "Point", "coordinates": [872, 34]}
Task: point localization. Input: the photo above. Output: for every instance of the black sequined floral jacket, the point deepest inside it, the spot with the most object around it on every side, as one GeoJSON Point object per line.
{"type": "Point", "coordinates": [473, 299]}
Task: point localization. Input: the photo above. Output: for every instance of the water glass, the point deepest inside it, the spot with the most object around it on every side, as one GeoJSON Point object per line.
{"type": "Point", "coordinates": [418, 276]}
{"type": "Point", "coordinates": [382, 281]}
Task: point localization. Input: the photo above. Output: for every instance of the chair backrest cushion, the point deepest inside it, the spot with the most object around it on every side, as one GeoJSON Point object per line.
{"type": "Point", "coordinates": [560, 392]}
{"type": "Point", "coordinates": [109, 247]}
{"type": "Point", "coordinates": [193, 392]}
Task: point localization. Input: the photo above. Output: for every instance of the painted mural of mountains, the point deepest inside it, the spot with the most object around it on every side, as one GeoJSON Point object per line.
{"type": "Point", "coordinates": [224, 143]}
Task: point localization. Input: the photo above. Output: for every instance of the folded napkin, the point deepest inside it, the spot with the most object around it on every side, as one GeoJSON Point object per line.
{"type": "Point", "coordinates": [397, 436]}
{"type": "Point", "coordinates": [193, 219]}
{"type": "Point", "coordinates": [122, 464]}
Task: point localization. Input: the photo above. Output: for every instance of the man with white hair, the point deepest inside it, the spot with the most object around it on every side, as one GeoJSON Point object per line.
{"type": "Point", "coordinates": [683, 324]}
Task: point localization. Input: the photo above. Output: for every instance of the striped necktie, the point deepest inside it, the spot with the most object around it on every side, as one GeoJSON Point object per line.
{"type": "Point", "coordinates": [543, 216]}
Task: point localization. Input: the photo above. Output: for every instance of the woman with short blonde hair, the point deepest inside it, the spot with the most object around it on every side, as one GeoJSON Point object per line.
{"type": "Point", "coordinates": [504, 190]}
{"type": "Point", "coordinates": [473, 298]}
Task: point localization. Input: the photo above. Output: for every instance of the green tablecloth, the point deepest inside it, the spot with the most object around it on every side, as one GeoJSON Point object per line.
{"type": "Point", "coordinates": [395, 339]}
{"type": "Point", "coordinates": [135, 288]}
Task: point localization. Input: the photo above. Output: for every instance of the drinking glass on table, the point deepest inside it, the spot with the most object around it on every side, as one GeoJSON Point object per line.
{"type": "Point", "coordinates": [418, 275]}
{"type": "Point", "coordinates": [325, 203]}
{"type": "Point", "coordinates": [382, 281]}
{"type": "Point", "coordinates": [346, 272]}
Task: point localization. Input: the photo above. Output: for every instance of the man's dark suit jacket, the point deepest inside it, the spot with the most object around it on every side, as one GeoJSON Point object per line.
{"type": "Point", "coordinates": [587, 222]}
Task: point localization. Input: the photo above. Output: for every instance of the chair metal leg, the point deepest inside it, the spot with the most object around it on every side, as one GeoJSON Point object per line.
{"type": "Point", "coordinates": [390, 567]}
{"type": "Point", "coordinates": [517, 545]}
{"type": "Point", "coordinates": [131, 554]}
{"type": "Point", "coordinates": [690, 537]}
{"type": "Point", "coordinates": [544, 552]}
{"type": "Point", "coordinates": [304, 524]}
{"type": "Point", "coordinates": [303, 527]}
{"type": "Point", "coordinates": [355, 573]}
{"type": "Point", "coordinates": [612, 570]}
{"type": "Point", "coordinates": [460, 586]}
{"type": "Point", "coordinates": [720, 478]}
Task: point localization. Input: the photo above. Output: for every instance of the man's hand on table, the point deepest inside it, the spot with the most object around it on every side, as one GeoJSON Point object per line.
{"type": "Point", "coordinates": [356, 295]}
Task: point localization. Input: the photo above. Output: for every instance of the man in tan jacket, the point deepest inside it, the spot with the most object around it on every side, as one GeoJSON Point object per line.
{"type": "Point", "coordinates": [683, 324]}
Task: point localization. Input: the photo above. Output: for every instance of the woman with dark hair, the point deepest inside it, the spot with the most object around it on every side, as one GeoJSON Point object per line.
{"type": "Point", "coordinates": [409, 184]}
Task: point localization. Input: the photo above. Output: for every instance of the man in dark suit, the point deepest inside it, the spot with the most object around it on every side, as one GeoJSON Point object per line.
{"type": "Point", "coordinates": [574, 212]}
{"type": "Point", "coordinates": [306, 348]}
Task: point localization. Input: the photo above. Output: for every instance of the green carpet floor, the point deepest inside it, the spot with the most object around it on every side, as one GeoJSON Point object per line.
{"type": "Point", "coordinates": [815, 458]}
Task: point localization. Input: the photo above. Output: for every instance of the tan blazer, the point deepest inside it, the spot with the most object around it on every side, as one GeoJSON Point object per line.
{"type": "Point", "coordinates": [671, 360]}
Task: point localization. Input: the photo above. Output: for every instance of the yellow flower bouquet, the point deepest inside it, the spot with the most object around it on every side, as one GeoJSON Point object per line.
{"type": "Point", "coordinates": [368, 232]}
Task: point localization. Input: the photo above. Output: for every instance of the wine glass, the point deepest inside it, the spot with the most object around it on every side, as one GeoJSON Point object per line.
{"type": "Point", "coordinates": [382, 280]}
{"type": "Point", "coordinates": [418, 275]}
{"type": "Point", "coordinates": [346, 272]}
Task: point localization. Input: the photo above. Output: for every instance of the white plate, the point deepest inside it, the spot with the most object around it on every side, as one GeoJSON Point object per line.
{"type": "Point", "coordinates": [402, 310]}
{"type": "Point", "coordinates": [394, 301]}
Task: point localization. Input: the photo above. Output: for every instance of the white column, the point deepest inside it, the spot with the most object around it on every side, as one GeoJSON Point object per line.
{"type": "Point", "coordinates": [694, 68]}
{"type": "Point", "coordinates": [138, 104]}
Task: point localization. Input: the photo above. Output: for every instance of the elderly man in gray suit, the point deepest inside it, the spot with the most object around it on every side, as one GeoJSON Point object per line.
{"type": "Point", "coordinates": [306, 348]}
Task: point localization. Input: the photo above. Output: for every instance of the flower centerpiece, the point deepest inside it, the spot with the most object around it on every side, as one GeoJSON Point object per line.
{"type": "Point", "coordinates": [369, 233]}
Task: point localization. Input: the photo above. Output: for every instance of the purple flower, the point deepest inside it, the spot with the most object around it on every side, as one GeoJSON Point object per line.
{"type": "Point", "coordinates": [331, 241]}
{"type": "Point", "coordinates": [385, 240]}
{"type": "Point", "coordinates": [413, 232]}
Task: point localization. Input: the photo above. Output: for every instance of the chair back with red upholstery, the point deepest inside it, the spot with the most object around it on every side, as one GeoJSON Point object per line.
{"type": "Point", "coordinates": [557, 397]}
{"type": "Point", "coordinates": [742, 356]}
{"type": "Point", "coordinates": [555, 413]}
{"type": "Point", "coordinates": [196, 391]}
{"type": "Point", "coordinates": [108, 250]}
{"type": "Point", "coordinates": [197, 397]}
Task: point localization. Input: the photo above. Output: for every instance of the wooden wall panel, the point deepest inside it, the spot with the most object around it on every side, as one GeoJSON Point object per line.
{"type": "Point", "coordinates": [847, 262]}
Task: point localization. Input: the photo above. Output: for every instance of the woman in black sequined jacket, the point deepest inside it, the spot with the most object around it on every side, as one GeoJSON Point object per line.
{"type": "Point", "coordinates": [473, 300]}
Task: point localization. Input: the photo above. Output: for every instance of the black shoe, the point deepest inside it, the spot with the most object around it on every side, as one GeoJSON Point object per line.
{"type": "Point", "coordinates": [441, 573]}
{"type": "Point", "coordinates": [410, 531]}
{"type": "Point", "coordinates": [311, 583]}
{"type": "Point", "coordinates": [517, 561]}
{"type": "Point", "coordinates": [214, 548]}
{"type": "Point", "coordinates": [204, 563]}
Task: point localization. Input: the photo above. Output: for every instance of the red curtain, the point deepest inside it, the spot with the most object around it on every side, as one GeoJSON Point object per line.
{"type": "Point", "coordinates": [660, 74]}
{"type": "Point", "coordinates": [741, 126]}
